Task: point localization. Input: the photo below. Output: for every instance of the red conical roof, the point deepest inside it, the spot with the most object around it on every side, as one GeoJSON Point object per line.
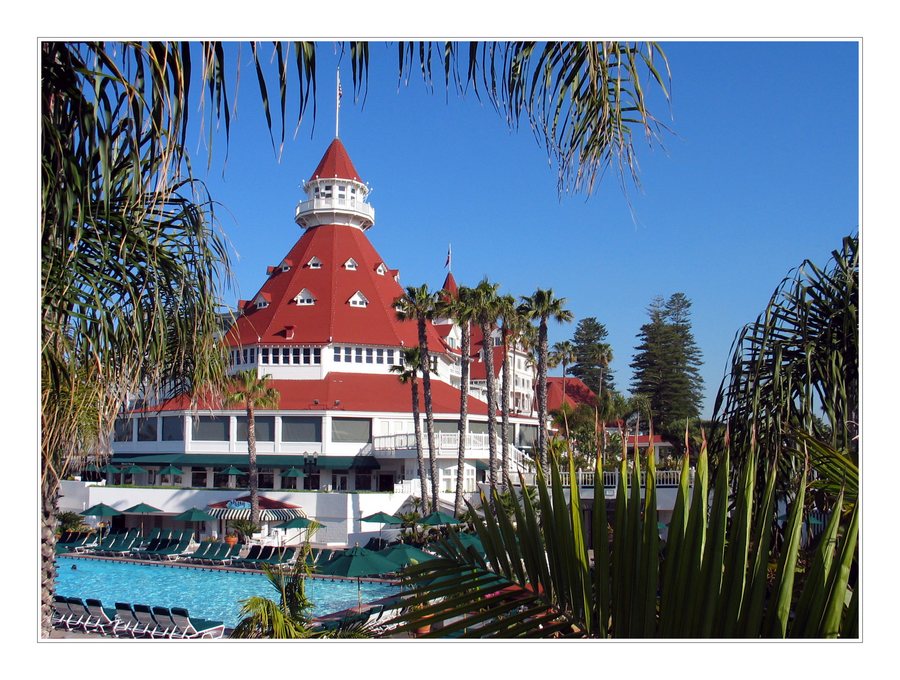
{"type": "Point", "coordinates": [450, 285]}
{"type": "Point", "coordinates": [336, 163]}
{"type": "Point", "coordinates": [331, 318]}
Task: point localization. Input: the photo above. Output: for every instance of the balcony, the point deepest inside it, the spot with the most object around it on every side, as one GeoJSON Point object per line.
{"type": "Point", "coordinates": [334, 210]}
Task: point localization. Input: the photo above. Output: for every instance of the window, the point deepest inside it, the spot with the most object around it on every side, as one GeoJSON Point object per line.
{"type": "Point", "coordinates": [220, 481]}
{"type": "Point", "coordinates": [358, 300]}
{"type": "Point", "coordinates": [198, 477]}
{"type": "Point", "coordinates": [350, 264]}
{"type": "Point", "coordinates": [476, 427]}
{"type": "Point", "coordinates": [381, 270]}
{"type": "Point", "coordinates": [339, 480]}
{"type": "Point", "coordinates": [351, 430]}
{"type": "Point", "coordinates": [327, 191]}
{"type": "Point", "coordinates": [307, 355]}
{"type": "Point", "coordinates": [359, 355]}
{"type": "Point", "coordinates": [122, 431]}
{"type": "Point", "coordinates": [363, 481]}
{"type": "Point", "coordinates": [434, 364]}
{"type": "Point", "coordinates": [286, 355]}
{"type": "Point", "coordinates": [315, 262]}
{"type": "Point", "coordinates": [261, 304]}
{"type": "Point", "coordinates": [390, 357]}
{"type": "Point", "coordinates": [317, 355]}
{"type": "Point", "coordinates": [337, 354]}
{"type": "Point", "coordinates": [264, 355]}
{"type": "Point", "coordinates": [311, 482]}
{"type": "Point", "coordinates": [296, 355]}
{"type": "Point", "coordinates": [147, 429]}
{"type": "Point", "coordinates": [172, 428]}
{"type": "Point", "coordinates": [267, 479]}
{"type": "Point", "coordinates": [301, 429]}
{"type": "Point", "coordinates": [369, 354]}
{"type": "Point", "coordinates": [304, 297]}
{"type": "Point", "coordinates": [446, 426]}
{"type": "Point", "coordinates": [265, 428]}
{"type": "Point", "coordinates": [527, 436]}
{"type": "Point", "coordinates": [209, 428]}
{"type": "Point", "coordinates": [246, 355]}
{"type": "Point", "coordinates": [379, 356]}
{"type": "Point", "coordinates": [253, 356]}
{"type": "Point", "coordinates": [276, 355]}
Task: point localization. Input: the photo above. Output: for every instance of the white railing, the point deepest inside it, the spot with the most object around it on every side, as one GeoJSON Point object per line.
{"type": "Point", "coordinates": [446, 443]}
{"type": "Point", "coordinates": [664, 478]}
{"type": "Point", "coordinates": [335, 203]}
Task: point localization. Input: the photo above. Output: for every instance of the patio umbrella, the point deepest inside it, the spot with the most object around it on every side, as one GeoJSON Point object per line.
{"type": "Point", "coordinates": [359, 562]}
{"type": "Point", "coordinates": [100, 510]}
{"type": "Point", "coordinates": [142, 509]}
{"type": "Point", "coordinates": [133, 470]}
{"type": "Point", "coordinates": [383, 518]}
{"type": "Point", "coordinates": [471, 540]}
{"type": "Point", "coordinates": [300, 523]}
{"type": "Point", "coordinates": [232, 470]}
{"type": "Point", "coordinates": [404, 554]}
{"type": "Point", "coordinates": [438, 518]}
{"type": "Point", "coordinates": [110, 469]}
{"type": "Point", "coordinates": [293, 472]}
{"type": "Point", "coordinates": [194, 515]}
{"type": "Point", "coordinates": [171, 470]}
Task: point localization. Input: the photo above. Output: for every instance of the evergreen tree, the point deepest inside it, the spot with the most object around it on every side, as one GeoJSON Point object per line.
{"type": "Point", "coordinates": [592, 356]}
{"type": "Point", "coordinates": [667, 362]}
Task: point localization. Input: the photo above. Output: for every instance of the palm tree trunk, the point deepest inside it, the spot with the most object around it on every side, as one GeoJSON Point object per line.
{"type": "Point", "coordinates": [420, 456]}
{"type": "Point", "coordinates": [49, 493]}
{"type": "Point", "coordinates": [463, 416]}
{"type": "Point", "coordinates": [542, 395]}
{"type": "Point", "coordinates": [491, 406]}
{"type": "Point", "coordinates": [254, 471]}
{"type": "Point", "coordinates": [425, 363]}
{"type": "Point", "coordinates": [504, 408]}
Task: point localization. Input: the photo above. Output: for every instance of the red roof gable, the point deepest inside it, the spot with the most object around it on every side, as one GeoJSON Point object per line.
{"type": "Point", "coordinates": [577, 393]}
{"type": "Point", "coordinates": [336, 163]}
{"type": "Point", "coordinates": [331, 318]}
{"type": "Point", "coordinates": [450, 285]}
{"type": "Point", "coordinates": [355, 392]}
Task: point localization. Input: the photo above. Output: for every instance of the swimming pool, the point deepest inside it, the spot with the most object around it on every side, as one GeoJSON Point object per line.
{"type": "Point", "coordinates": [208, 594]}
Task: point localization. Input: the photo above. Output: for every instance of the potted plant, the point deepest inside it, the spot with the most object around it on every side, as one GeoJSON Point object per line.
{"type": "Point", "coordinates": [243, 529]}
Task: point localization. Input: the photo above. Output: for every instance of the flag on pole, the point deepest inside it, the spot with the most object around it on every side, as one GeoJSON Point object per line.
{"type": "Point", "coordinates": [447, 263]}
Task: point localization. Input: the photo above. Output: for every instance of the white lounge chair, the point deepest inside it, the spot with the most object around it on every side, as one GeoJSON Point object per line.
{"type": "Point", "coordinates": [196, 628]}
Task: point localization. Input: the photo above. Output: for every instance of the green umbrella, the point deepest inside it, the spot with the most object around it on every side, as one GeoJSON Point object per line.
{"type": "Point", "coordinates": [359, 562]}
{"type": "Point", "coordinates": [133, 470]}
{"type": "Point", "coordinates": [404, 554]}
{"type": "Point", "coordinates": [438, 518]}
{"type": "Point", "coordinates": [293, 472]}
{"type": "Point", "coordinates": [232, 470]}
{"type": "Point", "coordinates": [171, 470]}
{"type": "Point", "coordinates": [110, 469]}
{"type": "Point", "coordinates": [382, 517]}
{"type": "Point", "coordinates": [142, 509]}
{"type": "Point", "coordinates": [194, 515]}
{"type": "Point", "coordinates": [471, 540]}
{"type": "Point", "coordinates": [299, 523]}
{"type": "Point", "coordinates": [100, 510]}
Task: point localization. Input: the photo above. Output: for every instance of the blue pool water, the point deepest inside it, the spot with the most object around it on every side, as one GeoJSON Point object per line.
{"type": "Point", "coordinates": [204, 593]}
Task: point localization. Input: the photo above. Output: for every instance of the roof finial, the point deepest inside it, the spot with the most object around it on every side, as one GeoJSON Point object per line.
{"type": "Point", "coordinates": [337, 107]}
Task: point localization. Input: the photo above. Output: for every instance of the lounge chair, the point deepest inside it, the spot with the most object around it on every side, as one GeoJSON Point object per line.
{"type": "Point", "coordinates": [126, 620]}
{"type": "Point", "coordinates": [147, 625]}
{"type": "Point", "coordinates": [205, 548]}
{"type": "Point", "coordinates": [250, 559]}
{"type": "Point", "coordinates": [167, 626]}
{"type": "Point", "coordinates": [101, 618]}
{"type": "Point", "coordinates": [123, 544]}
{"type": "Point", "coordinates": [196, 628]}
{"type": "Point", "coordinates": [174, 550]}
{"type": "Point", "coordinates": [63, 614]}
{"type": "Point", "coordinates": [279, 557]}
{"type": "Point", "coordinates": [225, 555]}
{"type": "Point", "coordinates": [80, 614]}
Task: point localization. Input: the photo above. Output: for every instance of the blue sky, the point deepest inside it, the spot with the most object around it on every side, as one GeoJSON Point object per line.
{"type": "Point", "coordinates": [760, 170]}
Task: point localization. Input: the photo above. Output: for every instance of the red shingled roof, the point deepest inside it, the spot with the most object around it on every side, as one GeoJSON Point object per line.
{"type": "Point", "coordinates": [354, 391]}
{"type": "Point", "coordinates": [331, 318]}
{"type": "Point", "coordinates": [336, 163]}
{"type": "Point", "coordinates": [577, 393]}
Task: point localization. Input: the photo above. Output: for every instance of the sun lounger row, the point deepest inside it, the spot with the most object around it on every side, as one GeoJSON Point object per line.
{"type": "Point", "coordinates": [212, 553]}
{"type": "Point", "coordinates": [137, 620]}
{"type": "Point", "coordinates": [268, 554]}
{"type": "Point", "coordinates": [167, 548]}
{"type": "Point", "coordinates": [70, 540]}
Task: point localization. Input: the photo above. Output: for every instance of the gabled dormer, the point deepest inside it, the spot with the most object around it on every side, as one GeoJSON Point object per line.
{"type": "Point", "coordinates": [314, 263]}
{"type": "Point", "coordinates": [286, 265]}
{"type": "Point", "coordinates": [262, 301]}
{"type": "Point", "coordinates": [351, 265]}
{"type": "Point", "coordinates": [358, 300]}
{"type": "Point", "coordinates": [381, 270]}
{"type": "Point", "coordinates": [304, 297]}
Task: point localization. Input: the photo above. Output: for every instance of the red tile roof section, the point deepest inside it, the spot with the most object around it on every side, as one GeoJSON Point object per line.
{"type": "Point", "coordinates": [336, 163]}
{"type": "Point", "coordinates": [577, 393]}
{"type": "Point", "coordinates": [331, 318]}
{"type": "Point", "coordinates": [356, 392]}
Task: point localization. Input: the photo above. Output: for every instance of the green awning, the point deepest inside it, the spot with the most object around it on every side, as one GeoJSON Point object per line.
{"type": "Point", "coordinates": [481, 465]}
{"type": "Point", "coordinates": [263, 460]}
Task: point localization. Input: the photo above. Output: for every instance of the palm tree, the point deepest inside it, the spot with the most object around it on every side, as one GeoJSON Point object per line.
{"type": "Point", "coordinates": [419, 304]}
{"type": "Point", "coordinates": [251, 391]}
{"type": "Point", "coordinates": [485, 302]}
{"type": "Point", "coordinates": [407, 372]}
{"type": "Point", "coordinates": [543, 306]}
{"type": "Point", "coordinates": [513, 324]}
{"type": "Point", "coordinates": [461, 310]}
{"type": "Point", "coordinates": [563, 353]}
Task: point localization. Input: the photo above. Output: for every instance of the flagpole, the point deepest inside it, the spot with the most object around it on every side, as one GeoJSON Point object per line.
{"type": "Point", "coordinates": [337, 103]}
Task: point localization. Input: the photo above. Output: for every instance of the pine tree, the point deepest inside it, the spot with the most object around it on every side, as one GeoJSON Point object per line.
{"type": "Point", "coordinates": [592, 354]}
{"type": "Point", "coordinates": [667, 362]}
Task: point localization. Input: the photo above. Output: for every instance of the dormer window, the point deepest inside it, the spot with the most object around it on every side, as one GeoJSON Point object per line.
{"type": "Point", "coordinates": [351, 264]}
{"type": "Point", "coordinates": [314, 263]}
{"type": "Point", "coordinates": [262, 301]}
{"type": "Point", "coordinates": [304, 297]}
{"type": "Point", "coordinates": [381, 270]}
{"type": "Point", "coordinates": [285, 265]}
{"type": "Point", "coordinates": [358, 300]}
